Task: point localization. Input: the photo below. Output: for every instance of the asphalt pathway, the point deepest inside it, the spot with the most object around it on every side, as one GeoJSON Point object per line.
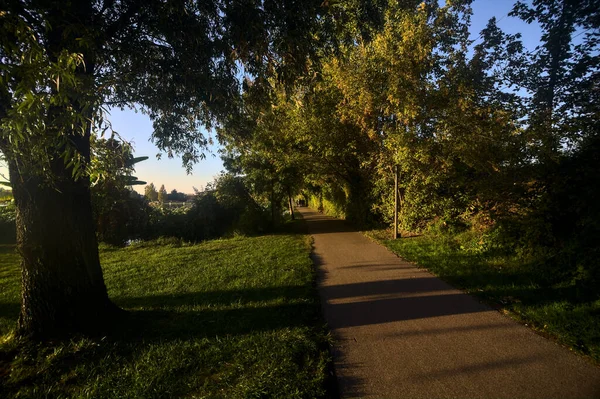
{"type": "Point", "coordinates": [400, 332]}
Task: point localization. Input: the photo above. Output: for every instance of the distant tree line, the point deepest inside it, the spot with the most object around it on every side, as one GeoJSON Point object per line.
{"type": "Point", "coordinates": [162, 196]}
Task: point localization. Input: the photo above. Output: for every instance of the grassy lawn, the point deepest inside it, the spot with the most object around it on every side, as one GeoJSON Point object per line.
{"type": "Point", "coordinates": [234, 318]}
{"type": "Point", "coordinates": [506, 283]}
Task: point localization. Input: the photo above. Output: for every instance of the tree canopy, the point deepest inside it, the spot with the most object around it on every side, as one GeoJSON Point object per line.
{"type": "Point", "coordinates": [63, 64]}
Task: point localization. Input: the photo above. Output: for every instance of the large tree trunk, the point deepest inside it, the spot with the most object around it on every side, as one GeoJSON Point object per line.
{"type": "Point", "coordinates": [63, 289]}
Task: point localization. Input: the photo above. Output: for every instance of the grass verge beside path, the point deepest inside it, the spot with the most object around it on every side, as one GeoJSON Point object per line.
{"type": "Point", "coordinates": [231, 318]}
{"type": "Point", "coordinates": [506, 283]}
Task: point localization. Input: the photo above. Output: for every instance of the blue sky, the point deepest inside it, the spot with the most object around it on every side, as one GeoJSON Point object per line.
{"type": "Point", "coordinates": [137, 127]}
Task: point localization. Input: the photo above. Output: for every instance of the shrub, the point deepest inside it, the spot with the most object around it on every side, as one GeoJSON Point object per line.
{"type": "Point", "coordinates": [120, 214]}
{"type": "Point", "coordinates": [226, 208]}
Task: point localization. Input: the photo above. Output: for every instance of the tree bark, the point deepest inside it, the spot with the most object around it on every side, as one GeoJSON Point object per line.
{"type": "Point", "coordinates": [63, 289]}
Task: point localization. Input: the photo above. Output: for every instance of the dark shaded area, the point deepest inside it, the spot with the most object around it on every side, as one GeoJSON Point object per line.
{"type": "Point", "coordinates": [158, 319]}
{"type": "Point", "coordinates": [211, 298]}
{"type": "Point", "coordinates": [452, 330]}
{"type": "Point", "coordinates": [321, 224]}
{"type": "Point", "coordinates": [482, 367]}
{"type": "Point", "coordinates": [399, 309]}
{"type": "Point", "coordinates": [387, 287]}
{"type": "Point", "coordinates": [164, 324]}
{"type": "Point", "coordinates": [10, 310]}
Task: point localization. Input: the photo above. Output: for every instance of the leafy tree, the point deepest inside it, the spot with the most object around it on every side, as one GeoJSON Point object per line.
{"type": "Point", "coordinates": [560, 80]}
{"type": "Point", "coordinates": [559, 75]}
{"type": "Point", "coordinates": [162, 194]}
{"type": "Point", "coordinates": [258, 146]}
{"type": "Point", "coordinates": [150, 192]}
{"type": "Point", "coordinates": [62, 62]}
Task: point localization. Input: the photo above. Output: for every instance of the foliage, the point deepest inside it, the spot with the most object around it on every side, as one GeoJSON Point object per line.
{"type": "Point", "coordinates": [150, 192]}
{"type": "Point", "coordinates": [37, 89]}
{"type": "Point", "coordinates": [127, 53]}
{"type": "Point", "coordinates": [224, 208]}
{"type": "Point", "coordinates": [232, 318]}
{"type": "Point", "coordinates": [244, 213]}
{"type": "Point", "coordinates": [162, 194]}
{"type": "Point", "coordinates": [562, 228]}
{"type": "Point", "coordinates": [257, 147]}
{"type": "Point", "coordinates": [5, 195]}
{"type": "Point", "coordinates": [118, 211]}
{"type": "Point", "coordinates": [176, 196]}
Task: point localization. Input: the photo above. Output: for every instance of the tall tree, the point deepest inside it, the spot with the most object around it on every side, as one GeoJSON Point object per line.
{"type": "Point", "coordinates": [150, 192]}
{"type": "Point", "coordinates": [559, 75]}
{"type": "Point", "coordinates": [63, 61]}
{"type": "Point", "coordinates": [162, 194]}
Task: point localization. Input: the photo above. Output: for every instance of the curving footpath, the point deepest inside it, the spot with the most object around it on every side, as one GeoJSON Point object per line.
{"type": "Point", "coordinates": [400, 332]}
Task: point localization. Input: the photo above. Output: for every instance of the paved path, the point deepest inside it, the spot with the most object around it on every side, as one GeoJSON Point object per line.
{"type": "Point", "coordinates": [400, 332]}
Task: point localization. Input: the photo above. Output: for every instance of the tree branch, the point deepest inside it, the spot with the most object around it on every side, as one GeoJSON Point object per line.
{"type": "Point", "coordinates": [123, 20]}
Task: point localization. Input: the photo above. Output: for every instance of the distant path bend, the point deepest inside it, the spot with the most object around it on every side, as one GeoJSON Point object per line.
{"type": "Point", "coordinates": [400, 332]}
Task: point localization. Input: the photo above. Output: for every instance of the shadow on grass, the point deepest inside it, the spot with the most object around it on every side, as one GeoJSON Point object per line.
{"type": "Point", "coordinates": [164, 325]}
{"type": "Point", "coordinates": [216, 313]}
{"type": "Point", "coordinates": [166, 317]}
{"type": "Point", "coordinates": [213, 298]}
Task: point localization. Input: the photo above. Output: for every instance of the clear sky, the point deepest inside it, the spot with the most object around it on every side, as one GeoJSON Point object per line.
{"type": "Point", "coordinates": [137, 127]}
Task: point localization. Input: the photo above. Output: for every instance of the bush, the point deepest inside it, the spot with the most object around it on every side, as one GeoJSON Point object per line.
{"type": "Point", "coordinates": [120, 214]}
{"type": "Point", "coordinates": [225, 209]}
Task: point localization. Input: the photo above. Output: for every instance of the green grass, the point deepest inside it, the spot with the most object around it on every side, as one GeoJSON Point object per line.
{"type": "Point", "coordinates": [10, 274]}
{"type": "Point", "coordinates": [507, 283]}
{"type": "Point", "coordinates": [234, 318]}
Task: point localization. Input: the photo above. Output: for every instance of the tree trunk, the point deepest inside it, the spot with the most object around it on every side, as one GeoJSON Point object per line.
{"type": "Point", "coordinates": [290, 205]}
{"type": "Point", "coordinates": [63, 289]}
